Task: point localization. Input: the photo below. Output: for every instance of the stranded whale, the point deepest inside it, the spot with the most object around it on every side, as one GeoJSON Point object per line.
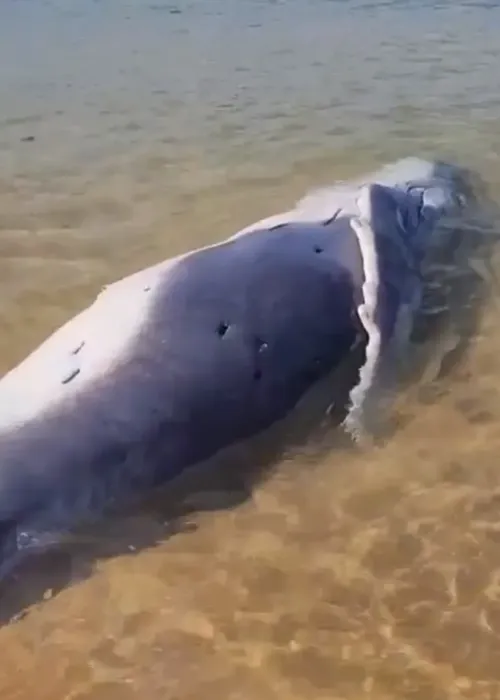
{"type": "Point", "coordinates": [178, 361]}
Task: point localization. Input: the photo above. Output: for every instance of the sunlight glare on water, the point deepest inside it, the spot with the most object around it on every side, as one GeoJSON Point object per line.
{"type": "Point", "coordinates": [131, 131]}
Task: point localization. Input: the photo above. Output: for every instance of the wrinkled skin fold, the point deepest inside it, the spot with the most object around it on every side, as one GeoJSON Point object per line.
{"type": "Point", "coordinates": [177, 362]}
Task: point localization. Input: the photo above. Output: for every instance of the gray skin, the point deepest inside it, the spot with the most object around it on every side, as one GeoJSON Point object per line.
{"type": "Point", "coordinates": [235, 338]}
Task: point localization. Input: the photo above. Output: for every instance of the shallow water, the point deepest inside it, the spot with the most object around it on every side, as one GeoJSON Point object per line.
{"type": "Point", "coordinates": [130, 131]}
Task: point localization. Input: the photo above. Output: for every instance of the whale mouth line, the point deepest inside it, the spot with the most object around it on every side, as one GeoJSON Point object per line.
{"type": "Point", "coordinates": [422, 205]}
{"type": "Point", "coordinates": [367, 310]}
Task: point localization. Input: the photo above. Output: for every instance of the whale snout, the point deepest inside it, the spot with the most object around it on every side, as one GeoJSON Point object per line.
{"type": "Point", "coordinates": [461, 181]}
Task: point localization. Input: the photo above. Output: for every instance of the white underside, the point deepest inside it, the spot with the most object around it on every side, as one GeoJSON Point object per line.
{"type": "Point", "coordinates": [83, 349]}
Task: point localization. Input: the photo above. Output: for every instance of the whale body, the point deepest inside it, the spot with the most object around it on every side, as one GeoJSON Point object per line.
{"type": "Point", "coordinates": [178, 361]}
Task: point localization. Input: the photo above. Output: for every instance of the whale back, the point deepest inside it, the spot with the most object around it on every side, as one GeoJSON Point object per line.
{"type": "Point", "coordinates": [233, 338]}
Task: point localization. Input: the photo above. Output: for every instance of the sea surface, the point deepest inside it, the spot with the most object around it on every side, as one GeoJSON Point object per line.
{"type": "Point", "coordinates": [131, 130]}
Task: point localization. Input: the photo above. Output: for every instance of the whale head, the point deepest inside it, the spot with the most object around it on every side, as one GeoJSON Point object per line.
{"type": "Point", "coordinates": [398, 215]}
